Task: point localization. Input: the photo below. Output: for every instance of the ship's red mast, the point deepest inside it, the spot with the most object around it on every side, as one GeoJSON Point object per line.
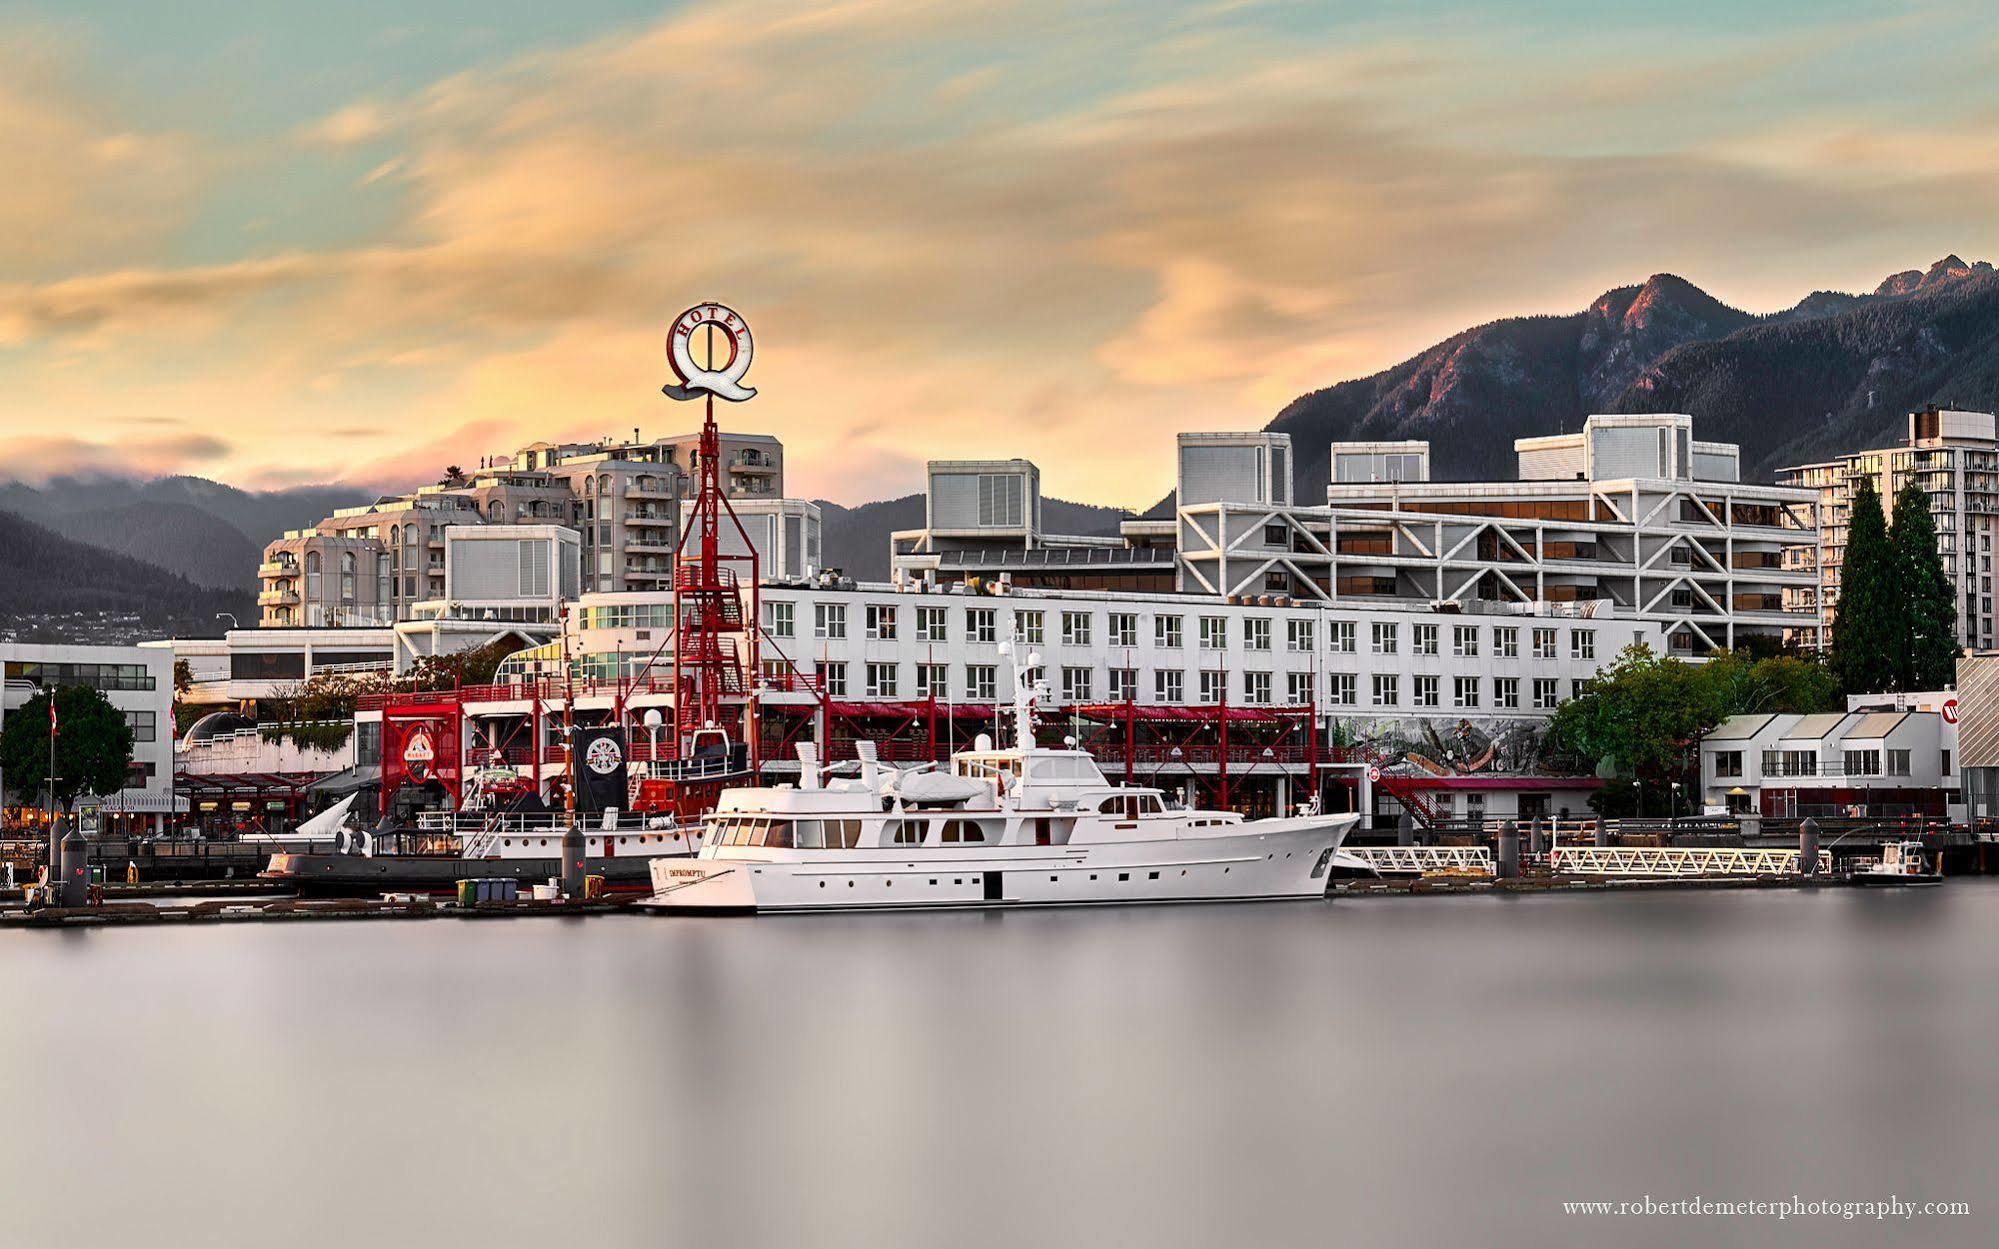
{"type": "Point", "coordinates": [715, 648]}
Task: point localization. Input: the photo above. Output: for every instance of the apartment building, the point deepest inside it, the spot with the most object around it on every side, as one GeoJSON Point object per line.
{"type": "Point", "coordinates": [375, 564]}
{"type": "Point", "coordinates": [138, 681]}
{"type": "Point", "coordinates": [1630, 515]}
{"type": "Point", "coordinates": [982, 520]}
{"type": "Point", "coordinates": [1954, 457]}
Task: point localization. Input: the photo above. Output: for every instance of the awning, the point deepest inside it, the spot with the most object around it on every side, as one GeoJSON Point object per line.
{"type": "Point", "coordinates": [1163, 712]}
{"type": "Point", "coordinates": [348, 781]}
{"type": "Point", "coordinates": [141, 802]}
{"type": "Point", "coordinates": [913, 710]}
{"type": "Point", "coordinates": [1426, 781]}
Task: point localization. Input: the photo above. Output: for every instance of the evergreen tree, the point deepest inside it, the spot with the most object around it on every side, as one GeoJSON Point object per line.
{"type": "Point", "coordinates": [1873, 610]}
{"type": "Point", "coordinates": [1929, 660]}
{"type": "Point", "coordinates": [93, 746]}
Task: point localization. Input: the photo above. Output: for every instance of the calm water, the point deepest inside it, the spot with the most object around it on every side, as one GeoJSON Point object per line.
{"type": "Point", "coordinates": [1367, 1071]}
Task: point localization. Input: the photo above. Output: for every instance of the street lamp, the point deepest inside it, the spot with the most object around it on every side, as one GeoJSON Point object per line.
{"type": "Point", "coordinates": [230, 616]}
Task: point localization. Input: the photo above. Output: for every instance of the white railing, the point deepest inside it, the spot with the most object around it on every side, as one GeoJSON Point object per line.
{"type": "Point", "coordinates": [1426, 860]}
{"type": "Point", "coordinates": [1658, 861]}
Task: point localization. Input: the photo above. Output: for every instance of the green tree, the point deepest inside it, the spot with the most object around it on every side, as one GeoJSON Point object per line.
{"type": "Point", "coordinates": [1872, 621]}
{"type": "Point", "coordinates": [93, 751]}
{"type": "Point", "coordinates": [1641, 718]}
{"type": "Point", "coordinates": [1927, 659]}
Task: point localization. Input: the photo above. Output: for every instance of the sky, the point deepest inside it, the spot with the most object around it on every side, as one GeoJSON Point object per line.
{"type": "Point", "coordinates": [278, 244]}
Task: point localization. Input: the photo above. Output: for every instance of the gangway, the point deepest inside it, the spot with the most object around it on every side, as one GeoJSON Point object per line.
{"type": "Point", "coordinates": [1426, 860]}
{"type": "Point", "coordinates": [1661, 861]}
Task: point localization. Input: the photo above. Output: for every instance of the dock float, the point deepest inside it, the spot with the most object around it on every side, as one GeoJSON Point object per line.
{"type": "Point", "coordinates": [295, 910]}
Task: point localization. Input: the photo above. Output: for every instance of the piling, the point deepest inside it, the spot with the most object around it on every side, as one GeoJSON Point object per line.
{"type": "Point", "coordinates": [75, 871]}
{"type": "Point", "coordinates": [1508, 866]}
{"type": "Point", "coordinates": [1602, 832]}
{"type": "Point", "coordinates": [1537, 838]}
{"type": "Point", "coordinates": [1808, 847]}
{"type": "Point", "coordinates": [572, 864]}
{"type": "Point", "coordinates": [1405, 829]}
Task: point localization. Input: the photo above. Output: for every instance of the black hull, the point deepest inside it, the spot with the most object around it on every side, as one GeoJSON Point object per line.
{"type": "Point", "coordinates": [354, 875]}
{"type": "Point", "coordinates": [1894, 880]}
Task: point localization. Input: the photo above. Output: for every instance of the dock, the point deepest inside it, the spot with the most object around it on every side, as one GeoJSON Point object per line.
{"type": "Point", "coordinates": [297, 910]}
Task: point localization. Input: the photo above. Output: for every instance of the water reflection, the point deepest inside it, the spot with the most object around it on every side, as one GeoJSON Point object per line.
{"type": "Point", "coordinates": [1405, 1071]}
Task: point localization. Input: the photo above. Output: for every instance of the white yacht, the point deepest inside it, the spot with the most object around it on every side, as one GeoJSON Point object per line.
{"type": "Point", "coordinates": [1020, 827]}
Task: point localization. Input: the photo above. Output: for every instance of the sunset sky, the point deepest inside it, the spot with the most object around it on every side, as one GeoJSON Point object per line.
{"type": "Point", "coordinates": [286, 243]}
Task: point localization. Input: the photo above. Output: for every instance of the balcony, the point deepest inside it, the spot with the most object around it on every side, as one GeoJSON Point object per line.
{"type": "Point", "coordinates": [278, 568]}
{"type": "Point", "coordinates": [278, 598]}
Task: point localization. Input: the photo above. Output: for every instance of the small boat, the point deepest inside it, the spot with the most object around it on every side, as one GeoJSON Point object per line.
{"type": "Point", "coordinates": [1902, 863]}
{"type": "Point", "coordinates": [1002, 828]}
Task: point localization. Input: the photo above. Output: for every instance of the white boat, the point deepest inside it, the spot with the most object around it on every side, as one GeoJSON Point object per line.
{"type": "Point", "coordinates": [1901, 864]}
{"type": "Point", "coordinates": [1020, 827]}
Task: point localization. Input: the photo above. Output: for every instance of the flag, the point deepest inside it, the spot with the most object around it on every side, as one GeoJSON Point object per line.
{"type": "Point", "coordinates": [52, 713]}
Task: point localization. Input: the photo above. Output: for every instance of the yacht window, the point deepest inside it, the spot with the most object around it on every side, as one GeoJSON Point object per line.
{"type": "Point", "coordinates": [809, 835]}
{"type": "Point", "coordinates": [963, 831]}
{"type": "Point", "coordinates": [779, 835]}
{"type": "Point", "coordinates": [843, 834]}
{"type": "Point", "coordinates": [905, 833]}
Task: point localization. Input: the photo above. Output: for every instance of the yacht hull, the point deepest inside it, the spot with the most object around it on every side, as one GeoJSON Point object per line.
{"type": "Point", "coordinates": [1281, 859]}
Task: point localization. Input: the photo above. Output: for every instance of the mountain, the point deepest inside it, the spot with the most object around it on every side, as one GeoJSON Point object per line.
{"type": "Point", "coordinates": [208, 532]}
{"type": "Point", "coordinates": [46, 578]}
{"type": "Point", "coordinates": [1781, 384]}
{"type": "Point", "coordinates": [179, 537]}
{"type": "Point", "coordinates": [855, 539]}
{"type": "Point", "coordinates": [1795, 391]}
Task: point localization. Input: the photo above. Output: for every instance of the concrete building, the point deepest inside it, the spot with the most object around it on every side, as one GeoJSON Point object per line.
{"type": "Point", "coordinates": [1954, 457]}
{"type": "Point", "coordinates": [983, 520]}
{"type": "Point", "coordinates": [1630, 514]}
{"type": "Point", "coordinates": [139, 682]}
{"type": "Point", "coordinates": [507, 572]}
{"type": "Point", "coordinates": [1886, 755]}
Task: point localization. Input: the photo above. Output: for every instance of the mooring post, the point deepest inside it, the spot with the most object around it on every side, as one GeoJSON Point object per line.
{"type": "Point", "coordinates": [1405, 829]}
{"type": "Point", "coordinates": [1537, 843]}
{"type": "Point", "coordinates": [1602, 832]}
{"type": "Point", "coordinates": [1808, 847]}
{"type": "Point", "coordinates": [1508, 867]}
{"type": "Point", "coordinates": [573, 864]}
{"type": "Point", "coordinates": [75, 871]}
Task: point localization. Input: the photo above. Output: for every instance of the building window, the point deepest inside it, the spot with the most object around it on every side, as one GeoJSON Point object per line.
{"type": "Point", "coordinates": [1075, 628]}
{"type": "Point", "coordinates": [829, 620]}
{"type": "Point", "coordinates": [1032, 627]}
{"type": "Point", "coordinates": [1298, 689]}
{"type": "Point", "coordinates": [981, 625]}
{"type": "Point", "coordinates": [1169, 686]}
{"type": "Point", "coordinates": [1214, 685]}
{"type": "Point", "coordinates": [1256, 688]}
{"type": "Point", "coordinates": [1298, 635]}
{"type": "Point", "coordinates": [1545, 694]}
{"type": "Point", "coordinates": [312, 575]}
{"type": "Point", "coordinates": [1384, 637]}
{"type": "Point", "coordinates": [145, 726]}
{"type": "Point", "coordinates": [981, 682]}
{"type": "Point", "coordinates": [1124, 628]}
{"type": "Point", "coordinates": [932, 681]}
{"type": "Point", "coordinates": [1256, 633]}
{"type": "Point", "coordinates": [1278, 535]}
{"type": "Point", "coordinates": [1506, 693]}
{"type": "Point", "coordinates": [1075, 685]}
{"type": "Point", "coordinates": [1863, 763]}
{"type": "Point", "coordinates": [880, 619]}
{"type": "Point", "coordinates": [1340, 636]}
{"type": "Point", "coordinates": [1728, 763]}
{"type": "Point", "coordinates": [1898, 763]}
{"type": "Point", "coordinates": [1214, 633]}
{"type": "Point", "coordinates": [1166, 632]}
{"type": "Point", "coordinates": [1124, 685]}
{"type": "Point", "coordinates": [783, 620]}
{"type": "Point", "coordinates": [1582, 644]}
{"type": "Point", "coordinates": [1464, 641]}
{"type": "Point", "coordinates": [1506, 642]}
{"type": "Point", "coordinates": [1423, 639]}
{"type": "Point", "coordinates": [835, 677]}
{"type": "Point", "coordinates": [1464, 691]}
{"type": "Point", "coordinates": [1425, 690]}
{"type": "Point", "coordinates": [881, 681]}
{"type": "Point", "coordinates": [1385, 693]}
{"type": "Point", "coordinates": [1340, 689]}
{"type": "Point", "coordinates": [1544, 643]}
{"type": "Point", "coordinates": [930, 624]}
